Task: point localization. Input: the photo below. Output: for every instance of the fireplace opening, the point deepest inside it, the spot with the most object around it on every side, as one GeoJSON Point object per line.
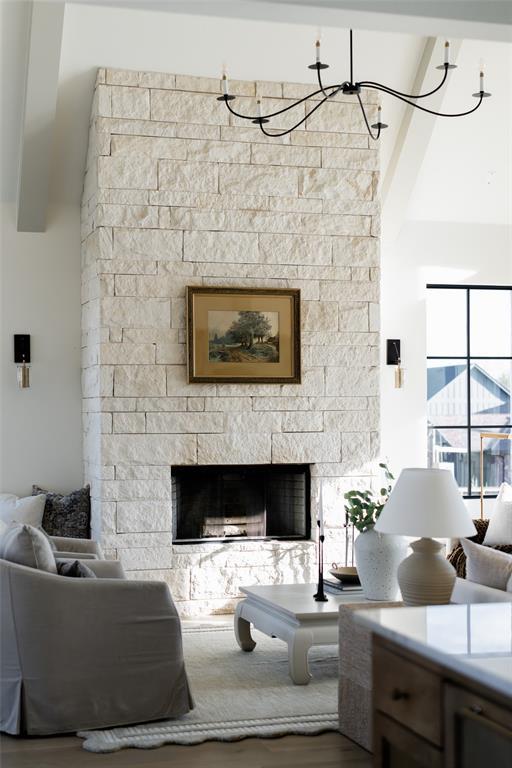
{"type": "Point", "coordinates": [224, 503]}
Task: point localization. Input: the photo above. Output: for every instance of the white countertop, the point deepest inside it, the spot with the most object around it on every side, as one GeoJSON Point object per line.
{"type": "Point", "coordinates": [473, 640]}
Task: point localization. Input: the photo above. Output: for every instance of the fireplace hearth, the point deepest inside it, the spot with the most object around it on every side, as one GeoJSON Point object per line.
{"type": "Point", "coordinates": [234, 502]}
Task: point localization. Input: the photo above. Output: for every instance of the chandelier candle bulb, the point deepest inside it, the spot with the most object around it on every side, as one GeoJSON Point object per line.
{"type": "Point", "coordinates": [447, 52]}
{"type": "Point", "coordinates": [481, 93]}
{"type": "Point", "coordinates": [225, 84]}
{"type": "Point", "coordinates": [258, 108]}
{"type": "Point", "coordinates": [317, 46]}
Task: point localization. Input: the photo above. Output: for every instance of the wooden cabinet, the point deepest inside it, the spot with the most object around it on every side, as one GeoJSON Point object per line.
{"type": "Point", "coordinates": [478, 731]}
{"type": "Point", "coordinates": [425, 716]}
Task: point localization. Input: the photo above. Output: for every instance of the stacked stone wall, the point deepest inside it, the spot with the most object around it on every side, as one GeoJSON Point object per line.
{"type": "Point", "coordinates": [177, 192]}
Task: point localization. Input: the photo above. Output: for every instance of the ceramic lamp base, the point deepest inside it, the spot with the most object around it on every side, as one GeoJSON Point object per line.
{"type": "Point", "coordinates": [426, 577]}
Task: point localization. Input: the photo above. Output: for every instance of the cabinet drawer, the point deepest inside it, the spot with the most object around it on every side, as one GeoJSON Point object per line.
{"type": "Point", "coordinates": [408, 693]}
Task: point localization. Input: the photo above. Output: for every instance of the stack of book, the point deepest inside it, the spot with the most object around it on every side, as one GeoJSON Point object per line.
{"type": "Point", "coordinates": [335, 586]}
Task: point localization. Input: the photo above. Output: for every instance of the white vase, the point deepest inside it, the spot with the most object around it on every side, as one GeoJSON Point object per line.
{"type": "Point", "coordinates": [378, 556]}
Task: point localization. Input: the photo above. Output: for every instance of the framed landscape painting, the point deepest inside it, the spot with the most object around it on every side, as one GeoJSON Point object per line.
{"type": "Point", "coordinates": [243, 335]}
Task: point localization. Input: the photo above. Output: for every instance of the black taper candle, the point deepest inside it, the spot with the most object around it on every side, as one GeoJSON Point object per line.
{"type": "Point", "coordinates": [320, 595]}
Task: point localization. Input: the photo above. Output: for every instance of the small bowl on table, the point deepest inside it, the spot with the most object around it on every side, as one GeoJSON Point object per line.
{"type": "Point", "coordinates": [347, 574]}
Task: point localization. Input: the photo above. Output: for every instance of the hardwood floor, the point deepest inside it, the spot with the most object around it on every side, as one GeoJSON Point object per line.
{"type": "Point", "coordinates": [328, 750]}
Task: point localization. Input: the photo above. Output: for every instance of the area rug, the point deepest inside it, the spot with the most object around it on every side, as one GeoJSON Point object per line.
{"type": "Point", "coordinates": [238, 695]}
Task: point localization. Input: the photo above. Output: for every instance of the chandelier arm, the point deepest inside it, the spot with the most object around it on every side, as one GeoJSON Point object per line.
{"type": "Point", "coordinates": [366, 120]}
{"type": "Point", "coordinates": [392, 91]}
{"type": "Point", "coordinates": [320, 81]}
{"type": "Point", "coordinates": [333, 88]}
{"type": "Point", "coordinates": [285, 109]}
{"type": "Point", "coordinates": [431, 111]}
{"type": "Point", "coordinates": [289, 130]}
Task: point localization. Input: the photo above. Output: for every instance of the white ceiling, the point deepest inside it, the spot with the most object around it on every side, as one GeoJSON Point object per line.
{"type": "Point", "coordinates": [470, 19]}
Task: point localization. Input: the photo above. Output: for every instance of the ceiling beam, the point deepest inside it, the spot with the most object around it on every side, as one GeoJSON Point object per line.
{"type": "Point", "coordinates": [473, 19]}
{"type": "Point", "coordinates": [412, 140]}
{"type": "Point", "coordinates": [41, 85]}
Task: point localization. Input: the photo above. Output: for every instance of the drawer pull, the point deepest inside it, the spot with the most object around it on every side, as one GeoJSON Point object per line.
{"type": "Point", "coordinates": [471, 714]}
{"type": "Point", "coordinates": [398, 695]}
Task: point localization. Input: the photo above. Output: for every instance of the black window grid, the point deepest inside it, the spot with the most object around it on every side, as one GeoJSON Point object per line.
{"type": "Point", "coordinates": [469, 427]}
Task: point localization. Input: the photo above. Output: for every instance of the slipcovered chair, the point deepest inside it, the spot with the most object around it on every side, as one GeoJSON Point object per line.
{"type": "Point", "coordinates": [82, 653]}
{"type": "Point", "coordinates": [81, 549]}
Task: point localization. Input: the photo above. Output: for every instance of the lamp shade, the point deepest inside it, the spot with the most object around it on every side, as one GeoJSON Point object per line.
{"type": "Point", "coordinates": [425, 503]}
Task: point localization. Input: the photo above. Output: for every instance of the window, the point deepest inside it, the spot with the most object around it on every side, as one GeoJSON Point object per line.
{"type": "Point", "coordinates": [469, 377]}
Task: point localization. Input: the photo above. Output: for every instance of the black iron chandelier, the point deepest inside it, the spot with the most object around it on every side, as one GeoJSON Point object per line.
{"type": "Point", "coordinates": [352, 88]}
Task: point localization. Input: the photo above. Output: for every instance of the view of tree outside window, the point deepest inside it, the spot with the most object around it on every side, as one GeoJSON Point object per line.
{"type": "Point", "coordinates": [469, 382]}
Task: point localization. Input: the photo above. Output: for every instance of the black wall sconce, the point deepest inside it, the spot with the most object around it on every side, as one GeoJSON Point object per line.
{"type": "Point", "coordinates": [22, 358]}
{"type": "Point", "coordinates": [393, 357]}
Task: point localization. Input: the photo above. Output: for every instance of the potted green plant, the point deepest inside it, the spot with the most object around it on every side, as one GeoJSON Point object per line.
{"type": "Point", "coordinates": [364, 507]}
{"type": "Point", "coordinates": [377, 555]}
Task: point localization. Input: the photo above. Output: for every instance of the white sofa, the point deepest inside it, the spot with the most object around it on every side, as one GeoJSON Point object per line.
{"type": "Point", "coordinates": [470, 592]}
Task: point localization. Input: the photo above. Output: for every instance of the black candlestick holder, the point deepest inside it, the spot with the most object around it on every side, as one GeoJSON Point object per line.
{"type": "Point", "coordinates": [320, 595]}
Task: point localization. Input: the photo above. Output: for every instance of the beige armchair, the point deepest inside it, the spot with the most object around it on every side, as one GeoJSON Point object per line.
{"type": "Point", "coordinates": [79, 653]}
{"type": "Point", "coordinates": [81, 549]}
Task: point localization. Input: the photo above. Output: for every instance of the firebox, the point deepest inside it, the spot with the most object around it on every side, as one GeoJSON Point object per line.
{"type": "Point", "coordinates": [232, 502]}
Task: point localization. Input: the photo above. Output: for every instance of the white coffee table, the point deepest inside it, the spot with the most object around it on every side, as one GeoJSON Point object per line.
{"type": "Point", "coordinates": [289, 612]}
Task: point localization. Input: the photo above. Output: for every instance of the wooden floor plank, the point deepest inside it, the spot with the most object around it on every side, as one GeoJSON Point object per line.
{"type": "Point", "coordinates": [329, 750]}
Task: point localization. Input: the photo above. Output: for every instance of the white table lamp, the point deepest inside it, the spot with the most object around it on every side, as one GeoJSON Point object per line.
{"type": "Point", "coordinates": [426, 503]}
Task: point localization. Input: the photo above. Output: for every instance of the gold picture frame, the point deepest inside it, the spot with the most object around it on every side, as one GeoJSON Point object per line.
{"type": "Point", "coordinates": [243, 335]}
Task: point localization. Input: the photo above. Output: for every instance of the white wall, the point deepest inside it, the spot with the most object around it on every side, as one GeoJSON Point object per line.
{"type": "Point", "coordinates": [474, 254]}
{"type": "Point", "coordinates": [457, 229]}
{"type": "Point", "coordinates": [40, 295]}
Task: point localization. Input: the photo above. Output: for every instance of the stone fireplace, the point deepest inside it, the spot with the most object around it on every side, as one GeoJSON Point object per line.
{"type": "Point", "coordinates": [177, 192]}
